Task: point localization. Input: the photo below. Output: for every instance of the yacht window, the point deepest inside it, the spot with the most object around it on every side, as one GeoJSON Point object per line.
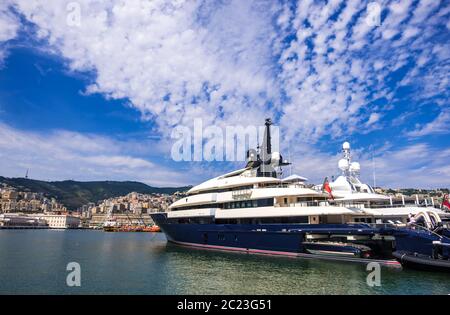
{"type": "Point", "coordinates": [205, 206]}
{"type": "Point", "coordinates": [284, 220]}
{"type": "Point", "coordinates": [223, 190]}
{"type": "Point", "coordinates": [265, 202]}
{"type": "Point", "coordinates": [226, 221]}
{"type": "Point", "coordinates": [248, 204]}
{"type": "Point", "coordinates": [363, 220]}
{"type": "Point", "coordinates": [199, 220]}
{"type": "Point", "coordinates": [268, 220]}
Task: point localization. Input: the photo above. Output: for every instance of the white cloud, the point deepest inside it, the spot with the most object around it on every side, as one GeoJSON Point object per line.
{"type": "Point", "coordinates": [164, 56]}
{"type": "Point", "coordinates": [9, 23]}
{"type": "Point", "coordinates": [373, 118]}
{"type": "Point", "coordinates": [332, 91]}
{"type": "Point", "coordinates": [9, 26]}
{"type": "Point", "coordinates": [227, 61]}
{"type": "Point", "coordinates": [179, 60]}
{"type": "Point", "coordinates": [62, 155]}
{"type": "Point", "coordinates": [418, 166]}
{"type": "Point", "coordinates": [440, 125]}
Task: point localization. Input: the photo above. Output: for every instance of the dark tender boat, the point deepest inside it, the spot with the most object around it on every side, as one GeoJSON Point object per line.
{"type": "Point", "coordinates": [424, 247]}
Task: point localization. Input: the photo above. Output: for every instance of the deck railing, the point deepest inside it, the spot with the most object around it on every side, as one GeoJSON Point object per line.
{"type": "Point", "coordinates": [241, 194]}
{"type": "Point", "coordinates": [412, 226]}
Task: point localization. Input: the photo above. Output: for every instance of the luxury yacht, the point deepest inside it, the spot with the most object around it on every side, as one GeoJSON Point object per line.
{"type": "Point", "coordinates": [255, 210]}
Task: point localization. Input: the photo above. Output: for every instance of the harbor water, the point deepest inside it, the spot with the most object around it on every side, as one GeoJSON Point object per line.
{"type": "Point", "coordinates": [35, 262]}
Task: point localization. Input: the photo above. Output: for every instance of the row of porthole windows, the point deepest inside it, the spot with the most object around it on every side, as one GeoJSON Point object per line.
{"type": "Point", "coordinates": [220, 237]}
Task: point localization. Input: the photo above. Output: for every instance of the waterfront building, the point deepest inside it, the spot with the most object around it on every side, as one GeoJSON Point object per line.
{"type": "Point", "coordinates": [15, 220]}
{"type": "Point", "coordinates": [60, 221]}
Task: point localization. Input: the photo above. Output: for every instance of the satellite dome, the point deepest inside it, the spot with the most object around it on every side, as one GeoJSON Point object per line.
{"type": "Point", "coordinates": [346, 146]}
{"type": "Point", "coordinates": [355, 167]}
{"type": "Point", "coordinates": [276, 158]}
{"type": "Point", "coordinates": [343, 164]}
{"type": "Point", "coordinates": [251, 155]}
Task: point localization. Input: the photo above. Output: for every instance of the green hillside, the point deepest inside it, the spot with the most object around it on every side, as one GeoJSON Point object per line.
{"type": "Point", "coordinates": [74, 194]}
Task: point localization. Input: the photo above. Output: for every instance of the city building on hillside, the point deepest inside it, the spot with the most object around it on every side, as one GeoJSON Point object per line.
{"type": "Point", "coordinates": [132, 203]}
{"type": "Point", "coordinates": [10, 195]}
{"type": "Point", "coordinates": [14, 201]}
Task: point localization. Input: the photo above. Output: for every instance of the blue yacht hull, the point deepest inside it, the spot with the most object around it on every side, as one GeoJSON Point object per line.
{"type": "Point", "coordinates": [280, 239]}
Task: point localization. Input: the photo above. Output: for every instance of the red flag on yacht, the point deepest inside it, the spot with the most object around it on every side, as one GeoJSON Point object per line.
{"type": "Point", "coordinates": [446, 203]}
{"type": "Point", "coordinates": [326, 187]}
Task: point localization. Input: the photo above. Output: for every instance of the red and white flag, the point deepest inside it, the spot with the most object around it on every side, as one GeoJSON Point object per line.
{"type": "Point", "coordinates": [326, 187]}
{"type": "Point", "coordinates": [445, 203]}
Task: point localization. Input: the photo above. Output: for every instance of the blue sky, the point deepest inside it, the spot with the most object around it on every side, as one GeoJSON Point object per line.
{"type": "Point", "coordinates": [92, 91]}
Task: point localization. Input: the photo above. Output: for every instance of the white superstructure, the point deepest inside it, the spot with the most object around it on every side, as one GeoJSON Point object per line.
{"type": "Point", "coordinates": [243, 195]}
{"type": "Point", "coordinates": [348, 190]}
{"type": "Point", "coordinates": [60, 221]}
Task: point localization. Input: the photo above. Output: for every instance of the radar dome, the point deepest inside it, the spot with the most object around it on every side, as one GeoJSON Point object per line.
{"type": "Point", "coordinates": [251, 155]}
{"type": "Point", "coordinates": [343, 164]}
{"type": "Point", "coordinates": [355, 167]}
{"type": "Point", "coordinates": [346, 146]}
{"type": "Point", "coordinates": [276, 158]}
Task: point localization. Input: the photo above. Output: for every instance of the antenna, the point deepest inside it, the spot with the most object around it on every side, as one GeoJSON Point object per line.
{"type": "Point", "coordinates": [289, 154]}
{"type": "Point", "coordinates": [266, 148]}
{"type": "Point", "coordinates": [26, 174]}
{"type": "Point", "coordinates": [344, 164]}
{"type": "Point", "coordinates": [373, 170]}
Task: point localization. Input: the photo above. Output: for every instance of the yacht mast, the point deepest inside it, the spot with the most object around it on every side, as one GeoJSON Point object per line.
{"type": "Point", "coordinates": [266, 148]}
{"type": "Point", "coordinates": [373, 171]}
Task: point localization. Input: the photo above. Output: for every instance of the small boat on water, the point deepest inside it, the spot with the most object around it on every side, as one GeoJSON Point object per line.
{"type": "Point", "coordinates": [153, 228]}
{"type": "Point", "coordinates": [110, 225]}
{"type": "Point", "coordinates": [337, 248]}
{"type": "Point", "coordinates": [113, 226]}
{"type": "Point", "coordinates": [425, 245]}
{"type": "Point", "coordinates": [422, 262]}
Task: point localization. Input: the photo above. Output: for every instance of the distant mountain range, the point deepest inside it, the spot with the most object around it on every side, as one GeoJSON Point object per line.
{"type": "Point", "coordinates": [74, 194]}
